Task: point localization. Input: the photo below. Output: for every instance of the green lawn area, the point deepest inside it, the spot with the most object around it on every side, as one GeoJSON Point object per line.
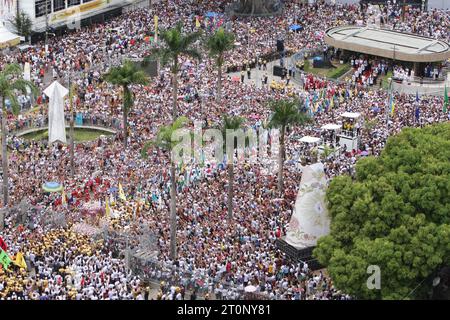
{"type": "Point", "coordinates": [81, 135]}
{"type": "Point", "coordinates": [332, 73]}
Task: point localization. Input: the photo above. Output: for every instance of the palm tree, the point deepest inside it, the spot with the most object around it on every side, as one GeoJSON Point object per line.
{"type": "Point", "coordinates": [11, 82]}
{"type": "Point", "coordinates": [164, 140]}
{"type": "Point", "coordinates": [176, 45]}
{"type": "Point", "coordinates": [125, 76]}
{"type": "Point", "coordinates": [285, 113]}
{"type": "Point", "coordinates": [230, 123]}
{"type": "Point", "coordinates": [217, 44]}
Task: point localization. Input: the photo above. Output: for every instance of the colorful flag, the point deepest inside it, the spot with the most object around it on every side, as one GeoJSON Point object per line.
{"type": "Point", "coordinates": [445, 108]}
{"type": "Point", "coordinates": [121, 193]}
{"type": "Point", "coordinates": [63, 198]}
{"type": "Point", "coordinates": [20, 260]}
{"type": "Point", "coordinates": [197, 22]}
{"type": "Point", "coordinates": [5, 260]}
{"type": "Point", "coordinates": [3, 245]}
{"type": "Point", "coordinates": [107, 208]}
{"type": "Point", "coordinates": [392, 105]}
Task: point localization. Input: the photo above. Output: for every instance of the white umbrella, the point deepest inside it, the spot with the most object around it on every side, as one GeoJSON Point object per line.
{"type": "Point", "coordinates": [250, 289]}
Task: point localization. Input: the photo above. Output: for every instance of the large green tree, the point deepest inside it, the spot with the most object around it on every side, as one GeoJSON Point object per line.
{"type": "Point", "coordinates": [217, 44]}
{"type": "Point", "coordinates": [11, 83]}
{"type": "Point", "coordinates": [176, 44]}
{"type": "Point", "coordinates": [125, 76]}
{"type": "Point", "coordinates": [165, 140]}
{"type": "Point", "coordinates": [394, 215]}
{"type": "Point", "coordinates": [285, 113]}
{"type": "Point", "coordinates": [22, 24]}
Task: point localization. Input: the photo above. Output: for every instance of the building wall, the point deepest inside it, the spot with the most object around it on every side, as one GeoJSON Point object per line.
{"type": "Point", "coordinates": [69, 16]}
{"type": "Point", "coordinates": [439, 4]}
{"type": "Point", "coordinates": [8, 9]}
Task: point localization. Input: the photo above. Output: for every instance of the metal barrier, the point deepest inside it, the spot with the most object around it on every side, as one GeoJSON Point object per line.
{"type": "Point", "coordinates": [30, 125]}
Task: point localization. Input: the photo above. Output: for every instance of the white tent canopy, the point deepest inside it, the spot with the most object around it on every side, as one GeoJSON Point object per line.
{"type": "Point", "coordinates": [309, 139]}
{"type": "Point", "coordinates": [331, 126]}
{"type": "Point", "coordinates": [353, 115]}
{"type": "Point", "coordinates": [8, 38]}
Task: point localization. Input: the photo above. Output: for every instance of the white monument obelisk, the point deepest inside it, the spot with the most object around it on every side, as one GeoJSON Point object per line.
{"type": "Point", "coordinates": [310, 219]}
{"type": "Point", "coordinates": [56, 122]}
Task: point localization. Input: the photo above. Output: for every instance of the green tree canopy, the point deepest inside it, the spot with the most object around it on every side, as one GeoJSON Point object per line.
{"type": "Point", "coordinates": [395, 214]}
{"type": "Point", "coordinates": [22, 24]}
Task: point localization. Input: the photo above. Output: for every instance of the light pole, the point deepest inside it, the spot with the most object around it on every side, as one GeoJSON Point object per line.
{"type": "Point", "coordinates": [72, 135]}
{"type": "Point", "coordinates": [46, 26]}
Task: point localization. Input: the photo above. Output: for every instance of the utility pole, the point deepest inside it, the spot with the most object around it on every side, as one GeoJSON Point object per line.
{"type": "Point", "coordinates": [46, 26]}
{"type": "Point", "coordinates": [72, 135]}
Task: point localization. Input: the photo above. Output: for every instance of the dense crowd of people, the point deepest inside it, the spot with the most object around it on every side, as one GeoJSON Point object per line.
{"type": "Point", "coordinates": [217, 257]}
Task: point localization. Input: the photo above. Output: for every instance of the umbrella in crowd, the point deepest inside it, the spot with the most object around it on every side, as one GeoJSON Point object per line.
{"type": "Point", "coordinates": [52, 187]}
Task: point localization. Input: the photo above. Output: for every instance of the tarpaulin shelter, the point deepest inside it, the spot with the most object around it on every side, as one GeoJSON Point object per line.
{"type": "Point", "coordinates": [295, 27]}
{"type": "Point", "coordinates": [7, 38]}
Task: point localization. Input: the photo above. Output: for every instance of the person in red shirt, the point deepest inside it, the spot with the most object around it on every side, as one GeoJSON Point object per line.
{"type": "Point", "coordinates": [278, 233]}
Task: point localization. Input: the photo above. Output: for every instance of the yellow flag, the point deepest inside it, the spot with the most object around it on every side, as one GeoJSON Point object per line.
{"type": "Point", "coordinates": [121, 193]}
{"type": "Point", "coordinates": [20, 260]}
{"type": "Point", "coordinates": [63, 201]}
{"type": "Point", "coordinates": [197, 22]}
{"type": "Point", "coordinates": [155, 18]}
{"type": "Point", "coordinates": [107, 208]}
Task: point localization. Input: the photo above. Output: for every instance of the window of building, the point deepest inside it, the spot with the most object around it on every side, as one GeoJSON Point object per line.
{"type": "Point", "coordinates": [59, 5]}
{"type": "Point", "coordinates": [40, 7]}
{"type": "Point", "coordinates": [71, 3]}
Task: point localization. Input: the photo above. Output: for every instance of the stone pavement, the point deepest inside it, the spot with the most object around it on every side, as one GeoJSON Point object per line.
{"type": "Point", "coordinates": [256, 75]}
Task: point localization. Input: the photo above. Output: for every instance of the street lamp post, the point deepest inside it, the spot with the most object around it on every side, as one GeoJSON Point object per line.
{"type": "Point", "coordinates": [46, 26]}
{"type": "Point", "coordinates": [72, 135]}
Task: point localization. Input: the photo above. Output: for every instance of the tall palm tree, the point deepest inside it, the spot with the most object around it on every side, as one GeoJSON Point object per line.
{"type": "Point", "coordinates": [164, 140]}
{"type": "Point", "coordinates": [217, 44]}
{"type": "Point", "coordinates": [11, 82]}
{"type": "Point", "coordinates": [125, 76]}
{"type": "Point", "coordinates": [176, 44]}
{"type": "Point", "coordinates": [230, 123]}
{"type": "Point", "coordinates": [285, 113]}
